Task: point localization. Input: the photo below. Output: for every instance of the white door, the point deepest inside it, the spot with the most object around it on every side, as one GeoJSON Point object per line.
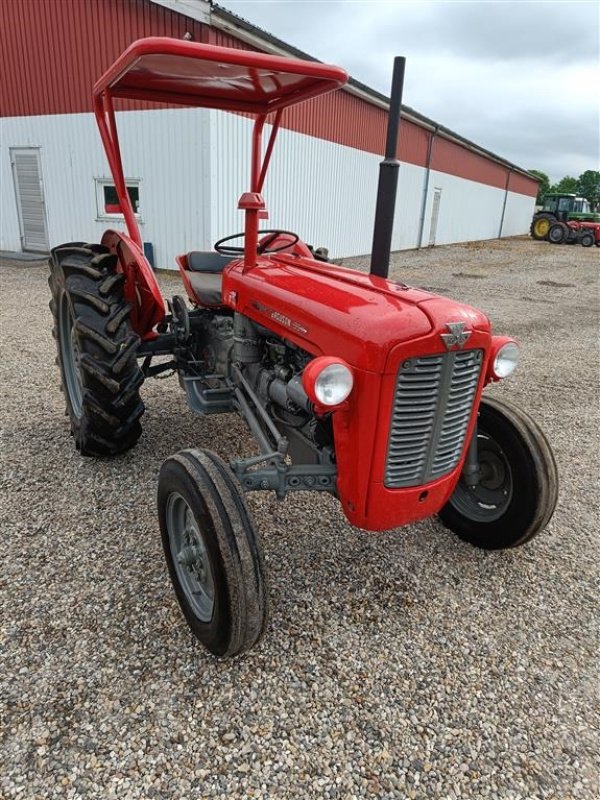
{"type": "Point", "coordinates": [29, 192]}
{"type": "Point", "coordinates": [435, 212]}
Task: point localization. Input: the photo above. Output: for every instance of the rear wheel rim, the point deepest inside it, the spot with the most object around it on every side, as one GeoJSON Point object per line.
{"type": "Point", "coordinates": [542, 226]}
{"type": "Point", "coordinates": [190, 557]}
{"type": "Point", "coordinates": [556, 235]}
{"type": "Point", "coordinates": [69, 355]}
{"type": "Point", "coordinates": [490, 498]}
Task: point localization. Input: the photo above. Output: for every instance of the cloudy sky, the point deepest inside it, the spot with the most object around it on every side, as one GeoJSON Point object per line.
{"type": "Point", "coordinates": [519, 78]}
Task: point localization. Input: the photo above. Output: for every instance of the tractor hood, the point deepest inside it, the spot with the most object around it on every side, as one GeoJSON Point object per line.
{"type": "Point", "coordinates": [332, 310]}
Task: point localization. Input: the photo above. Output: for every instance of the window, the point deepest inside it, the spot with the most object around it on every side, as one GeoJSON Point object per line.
{"type": "Point", "coordinates": [581, 205]}
{"type": "Point", "coordinates": [107, 201]}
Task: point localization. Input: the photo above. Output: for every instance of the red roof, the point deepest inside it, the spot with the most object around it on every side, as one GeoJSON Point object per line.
{"type": "Point", "coordinates": [188, 73]}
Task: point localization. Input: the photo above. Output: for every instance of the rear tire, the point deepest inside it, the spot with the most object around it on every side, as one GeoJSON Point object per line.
{"type": "Point", "coordinates": [540, 226]}
{"type": "Point", "coordinates": [96, 345]}
{"type": "Point", "coordinates": [557, 233]}
{"type": "Point", "coordinates": [213, 552]}
{"type": "Point", "coordinates": [518, 488]}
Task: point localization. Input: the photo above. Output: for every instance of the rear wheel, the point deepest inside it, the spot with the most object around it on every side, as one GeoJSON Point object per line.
{"type": "Point", "coordinates": [518, 485]}
{"type": "Point", "coordinates": [212, 551]}
{"type": "Point", "coordinates": [96, 346]}
{"type": "Point", "coordinates": [557, 233]}
{"type": "Point", "coordinates": [540, 226]}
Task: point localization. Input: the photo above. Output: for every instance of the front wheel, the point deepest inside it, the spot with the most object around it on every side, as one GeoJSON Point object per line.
{"type": "Point", "coordinates": [587, 239]}
{"type": "Point", "coordinates": [517, 490]}
{"type": "Point", "coordinates": [212, 550]}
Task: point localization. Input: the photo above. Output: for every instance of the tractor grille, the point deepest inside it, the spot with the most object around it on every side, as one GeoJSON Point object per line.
{"type": "Point", "coordinates": [433, 403]}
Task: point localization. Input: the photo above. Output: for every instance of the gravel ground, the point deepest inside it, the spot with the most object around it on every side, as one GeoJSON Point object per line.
{"type": "Point", "coordinates": [397, 665]}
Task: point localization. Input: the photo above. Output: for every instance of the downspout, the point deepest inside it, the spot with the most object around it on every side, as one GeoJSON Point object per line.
{"type": "Point", "coordinates": [426, 187]}
{"type": "Point", "coordinates": [508, 174]}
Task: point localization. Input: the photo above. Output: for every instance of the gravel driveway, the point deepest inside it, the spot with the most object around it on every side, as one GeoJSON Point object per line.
{"type": "Point", "coordinates": [397, 665]}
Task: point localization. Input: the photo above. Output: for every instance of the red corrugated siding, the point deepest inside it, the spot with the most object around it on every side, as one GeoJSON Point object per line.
{"type": "Point", "coordinates": [346, 119]}
{"type": "Point", "coordinates": [456, 160]}
{"type": "Point", "coordinates": [522, 185]}
{"type": "Point", "coordinates": [53, 51]}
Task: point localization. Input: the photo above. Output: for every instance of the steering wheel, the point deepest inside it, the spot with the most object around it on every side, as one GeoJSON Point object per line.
{"type": "Point", "coordinates": [263, 247]}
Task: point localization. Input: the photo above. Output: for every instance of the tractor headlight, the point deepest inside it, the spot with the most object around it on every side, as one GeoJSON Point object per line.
{"type": "Point", "coordinates": [327, 381]}
{"type": "Point", "coordinates": [505, 360]}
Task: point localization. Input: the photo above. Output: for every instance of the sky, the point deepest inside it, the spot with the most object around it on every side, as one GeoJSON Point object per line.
{"type": "Point", "coordinates": [519, 78]}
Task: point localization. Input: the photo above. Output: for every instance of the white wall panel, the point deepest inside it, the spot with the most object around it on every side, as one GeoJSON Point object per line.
{"type": "Point", "coordinates": [193, 165]}
{"type": "Point", "coordinates": [9, 218]}
{"type": "Point", "coordinates": [518, 214]}
{"type": "Point", "coordinates": [409, 206]}
{"type": "Point", "coordinates": [468, 210]}
{"type": "Point", "coordinates": [323, 191]}
{"type": "Point", "coordinates": [167, 150]}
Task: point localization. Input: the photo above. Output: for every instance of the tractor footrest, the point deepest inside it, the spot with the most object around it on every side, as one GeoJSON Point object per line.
{"type": "Point", "coordinates": [205, 400]}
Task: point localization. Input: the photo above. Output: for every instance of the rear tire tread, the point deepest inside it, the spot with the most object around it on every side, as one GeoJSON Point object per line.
{"type": "Point", "coordinates": [110, 376]}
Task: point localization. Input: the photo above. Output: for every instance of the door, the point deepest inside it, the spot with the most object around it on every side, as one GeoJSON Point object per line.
{"type": "Point", "coordinates": [29, 193]}
{"type": "Point", "coordinates": [435, 212]}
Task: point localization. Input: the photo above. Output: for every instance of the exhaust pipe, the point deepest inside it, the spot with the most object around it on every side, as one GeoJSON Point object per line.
{"type": "Point", "coordinates": [388, 179]}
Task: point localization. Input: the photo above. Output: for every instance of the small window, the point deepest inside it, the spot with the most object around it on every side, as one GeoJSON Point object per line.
{"type": "Point", "coordinates": [107, 201]}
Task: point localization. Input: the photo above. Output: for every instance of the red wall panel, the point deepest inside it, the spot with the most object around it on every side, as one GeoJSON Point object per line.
{"type": "Point", "coordinates": [522, 184]}
{"type": "Point", "coordinates": [53, 51]}
{"type": "Point", "coordinates": [457, 160]}
{"type": "Point", "coordinates": [345, 119]}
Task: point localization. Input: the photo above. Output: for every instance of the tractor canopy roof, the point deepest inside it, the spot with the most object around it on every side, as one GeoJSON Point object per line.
{"type": "Point", "coordinates": [188, 73]}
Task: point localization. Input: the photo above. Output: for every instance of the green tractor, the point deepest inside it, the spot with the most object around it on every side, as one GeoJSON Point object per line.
{"type": "Point", "coordinates": [559, 207]}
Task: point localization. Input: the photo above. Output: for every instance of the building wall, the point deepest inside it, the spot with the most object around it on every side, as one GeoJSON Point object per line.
{"type": "Point", "coordinates": [298, 193]}
{"type": "Point", "coordinates": [53, 51]}
{"type": "Point", "coordinates": [167, 150]}
{"type": "Point", "coordinates": [193, 164]}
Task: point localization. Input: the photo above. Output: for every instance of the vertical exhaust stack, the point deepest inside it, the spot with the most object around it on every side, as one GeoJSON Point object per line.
{"type": "Point", "coordinates": [388, 179]}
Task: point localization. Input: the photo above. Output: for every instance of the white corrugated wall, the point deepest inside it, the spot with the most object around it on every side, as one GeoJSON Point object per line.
{"type": "Point", "coordinates": [168, 151]}
{"type": "Point", "coordinates": [193, 165]}
{"type": "Point", "coordinates": [326, 193]}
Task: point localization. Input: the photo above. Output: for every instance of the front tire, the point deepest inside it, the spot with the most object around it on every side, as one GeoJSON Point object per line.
{"type": "Point", "coordinates": [96, 345]}
{"type": "Point", "coordinates": [212, 551]}
{"type": "Point", "coordinates": [518, 487]}
{"type": "Point", "coordinates": [587, 239]}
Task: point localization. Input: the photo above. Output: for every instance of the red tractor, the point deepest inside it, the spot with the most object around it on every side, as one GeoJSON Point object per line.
{"type": "Point", "coordinates": [350, 383]}
{"type": "Point", "coordinates": [584, 233]}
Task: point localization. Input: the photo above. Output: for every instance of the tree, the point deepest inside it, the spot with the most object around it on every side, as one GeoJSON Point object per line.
{"type": "Point", "coordinates": [567, 185]}
{"type": "Point", "coordinates": [544, 185]}
{"type": "Point", "coordinates": [588, 186]}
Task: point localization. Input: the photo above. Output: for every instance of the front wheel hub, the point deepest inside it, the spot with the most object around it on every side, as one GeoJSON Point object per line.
{"type": "Point", "coordinates": [190, 557]}
{"type": "Point", "coordinates": [489, 498]}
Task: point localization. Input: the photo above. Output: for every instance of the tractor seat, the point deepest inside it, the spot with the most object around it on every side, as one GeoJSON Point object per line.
{"type": "Point", "coordinates": [204, 273]}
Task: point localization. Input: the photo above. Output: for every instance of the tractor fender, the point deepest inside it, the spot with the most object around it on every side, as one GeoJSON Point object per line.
{"type": "Point", "coordinates": [141, 288]}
